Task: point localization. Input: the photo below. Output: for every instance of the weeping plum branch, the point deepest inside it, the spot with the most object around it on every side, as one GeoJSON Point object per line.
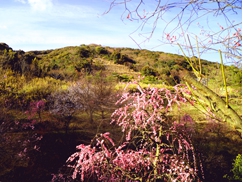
{"type": "Point", "coordinates": [155, 147]}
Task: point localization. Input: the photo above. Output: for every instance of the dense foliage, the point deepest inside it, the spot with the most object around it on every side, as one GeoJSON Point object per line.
{"type": "Point", "coordinates": [54, 100]}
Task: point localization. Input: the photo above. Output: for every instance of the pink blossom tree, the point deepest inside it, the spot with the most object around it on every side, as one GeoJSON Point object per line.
{"type": "Point", "coordinates": [155, 147]}
{"type": "Point", "coordinates": [19, 138]}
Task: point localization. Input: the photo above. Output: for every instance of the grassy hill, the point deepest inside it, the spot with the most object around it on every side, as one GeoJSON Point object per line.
{"type": "Point", "coordinates": [69, 64]}
{"type": "Point", "coordinates": [33, 76]}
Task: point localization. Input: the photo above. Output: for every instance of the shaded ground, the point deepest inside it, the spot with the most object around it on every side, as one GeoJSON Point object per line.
{"type": "Point", "coordinates": [217, 152]}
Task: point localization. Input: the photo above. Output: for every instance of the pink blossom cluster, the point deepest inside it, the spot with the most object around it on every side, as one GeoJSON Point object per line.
{"type": "Point", "coordinates": [145, 110]}
{"type": "Point", "coordinates": [35, 108]}
{"type": "Point", "coordinates": [237, 36]}
{"type": "Point", "coordinates": [103, 164]}
{"type": "Point", "coordinates": [19, 138]}
{"type": "Point", "coordinates": [25, 138]}
{"type": "Point", "coordinates": [170, 38]}
{"type": "Point", "coordinates": [154, 148]}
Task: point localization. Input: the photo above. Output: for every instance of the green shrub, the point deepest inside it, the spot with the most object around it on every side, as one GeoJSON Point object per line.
{"type": "Point", "coordinates": [151, 80]}
{"type": "Point", "coordinates": [171, 63]}
{"type": "Point", "coordinates": [236, 170]}
{"type": "Point", "coordinates": [10, 84]}
{"type": "Point", "coordinates": [123, 77]}
{"type": "Point", "coordinates": [83, 64]}
{"type": "Point", "coordinates": [176, 67]}
{"type": "Point", "coordinates": [101, 50]}
{"type": "Point", "coordinates": [98, 65]}
{"type": "Point", "coordinates": [148, 71]}
{"type": "Point", "coordinates": [40, 88]}
{"type": "Point", "coordinates": [116, 56]}
{"type": "Point", "coordinates": [57, 74]}
{"type": "Point", "coordinates": [234, 76]}
{"type": "Point", "coordinates": [165, 71]}
{"type": "Point", "coordinates": [84, 52]}
{"type": "Point", "coordinates": [186, 65]}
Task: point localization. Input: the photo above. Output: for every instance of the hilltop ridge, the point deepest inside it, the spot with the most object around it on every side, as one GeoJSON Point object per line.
{"type": "Point", "coordinates": [125, 64]}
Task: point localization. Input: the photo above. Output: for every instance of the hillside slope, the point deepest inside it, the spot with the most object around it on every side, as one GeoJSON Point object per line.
{"type": "Point", "coordinates": [124, 63]}
{"type": "Point", "coordinates": [91, 72]}
{"type": "Point", "coordinates": [69, 64]}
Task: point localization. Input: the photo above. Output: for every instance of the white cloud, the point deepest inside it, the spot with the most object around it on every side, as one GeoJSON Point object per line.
{"type": "Point", "coordinates": [40, 5]}
{"type": "Point", "coordinates": [21, 1]}
{"type": "Point", "coordinates": [3, 27]}
{"type": "Point", "coordinates": [73, 12]}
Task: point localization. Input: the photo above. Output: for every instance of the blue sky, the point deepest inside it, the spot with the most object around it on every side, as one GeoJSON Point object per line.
{"type": "Point", "coordinates": [46, 24]}
{"type": "Point", "coordinates": [49, 24]}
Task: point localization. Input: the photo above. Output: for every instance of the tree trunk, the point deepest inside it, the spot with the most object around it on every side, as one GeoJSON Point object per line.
{"type": "Point", "coordinates": [219, 105]}
{"type": "Point", "coordinates": [66, 124]}
{"type": "Point", "coordinates": [91, 117]}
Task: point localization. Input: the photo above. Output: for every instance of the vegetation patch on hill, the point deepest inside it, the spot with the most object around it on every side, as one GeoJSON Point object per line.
{"type": "Point", "coordinates": [67, 96]}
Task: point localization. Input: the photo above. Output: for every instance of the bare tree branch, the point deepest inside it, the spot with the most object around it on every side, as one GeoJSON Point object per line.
{"type": "Point", "coordinates": [183, 16]}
